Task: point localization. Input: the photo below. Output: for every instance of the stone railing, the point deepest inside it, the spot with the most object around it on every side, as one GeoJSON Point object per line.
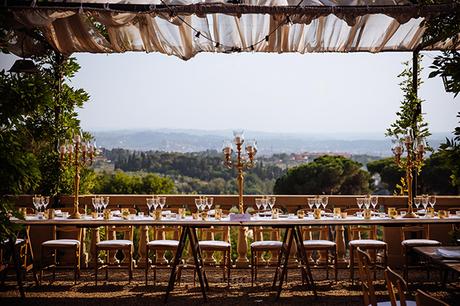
{"type": "Point", "coordinates": [289, 203]}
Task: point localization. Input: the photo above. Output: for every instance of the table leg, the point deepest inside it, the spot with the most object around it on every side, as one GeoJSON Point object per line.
{"type": "Point", "coordinates": [30, 252]}
{"type": "Point", "coordinates": [284, 258]}
{"type": "Point", "coordinates": [176, 260]}
{"type": "Point", "coordinates": [278, 267]}
{"type": "Point", "coordinates": [302, 255]}
{"type": "Point", "coordinates": [199, 264]}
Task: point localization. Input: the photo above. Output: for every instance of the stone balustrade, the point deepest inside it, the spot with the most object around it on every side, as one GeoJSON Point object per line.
{"type": "Point", "coordinates": [289, 203]}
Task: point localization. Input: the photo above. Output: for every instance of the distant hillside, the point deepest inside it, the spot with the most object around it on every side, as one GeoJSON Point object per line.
{"type": "Point", "coordinates": [269, 143]}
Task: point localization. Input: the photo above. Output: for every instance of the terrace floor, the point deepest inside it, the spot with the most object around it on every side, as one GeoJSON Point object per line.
{"type": "Point", "coordinates": [119, 292]}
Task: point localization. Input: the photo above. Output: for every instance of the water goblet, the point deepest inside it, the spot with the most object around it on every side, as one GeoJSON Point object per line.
{"type": "Point", "coordinates": [258, 203]}
{"type": "Point", "coordinates": [324, 201]}
{"type": "Point", "coordinates": [311, 202]}
{"type": "Point", "coordinates": [432, 200]}
{"type": "Point", "coordinates": [209, 202]}
{"type": "Point", "coordinates": [271, 202]}
{"type": "Point", "coordinates": [417, 202]}
{"type": "Point", "coordinates": [360, 202]}
{"type": "Point", "coordinates": [36, 202]}
{"type": "Point", "coordinates": [317, 203]}
{"type": "Point", "coordinates": [46, 201]}
{"type": "Point", "coordinates": [424, 202]}
{"type": "Point", "coordinates": [374, 201]}
{"type": "Point", "coordinates": [162, 202]}
{"type": "Point", "coordinates": [265, 203]}
{"type": "Point", "coordinates": [367, 203]}
{"type": "Point", "coordinates": [198, 204]}
{"type": "Point", "coordinates": [149, 204]}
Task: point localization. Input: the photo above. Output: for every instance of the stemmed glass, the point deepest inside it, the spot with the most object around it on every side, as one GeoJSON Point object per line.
{"type": "Point", "coordinates": [424, 202]}
{"type": "Point", "coordinates": [311, 202]}
{"type": "Point", "coordinates": [209, 202]}
{"type": "Point", "coordinates": [432, 200]}
{"type": "Point", "coordinates": [104, 203]}
{"type": "Point", "coordinates": [367, 202]}
{"type": "Point", "coordinates": [45, 202]}
{"type": "Point", "coordinates": [374, 202]}
{"type": "Point", "coordinates": [162, 202]}
{"type": "Point", "coordinates": [324, 201]}
{"type": "Point", "coordinates": [199, 204]}
{"type": "Point", "coordinates": [150, 204]}
{"type": "Point", "coordinates": [417, 201]}
{"type": "Point", "coordinates": [360, 202]}
{"type": "Point", "coordinates": [265, 203]}
{"type": "Point", "coordinates": [317, 203]}
{"type": "Point", "coordinates": [258, 203]}
{"type": "Point", "coordinates": [271, 202]}
{"type": "Point", "coordinates": [36, 201]}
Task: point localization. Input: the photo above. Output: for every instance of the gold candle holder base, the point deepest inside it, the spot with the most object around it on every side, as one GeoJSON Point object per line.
{"type": "Point", "coordinates": [410, 215]}
{"type": "Point", "coordinates": [75, 215]}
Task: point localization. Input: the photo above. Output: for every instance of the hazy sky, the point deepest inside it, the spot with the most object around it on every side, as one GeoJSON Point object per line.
{"type": "Point", "coordinates": [310, 93]}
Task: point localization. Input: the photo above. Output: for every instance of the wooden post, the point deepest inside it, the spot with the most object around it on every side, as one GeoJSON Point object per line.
{"type": "Point", "coordinates": [242, 248]}
{"type": "Point", "coordinates": [340, 244]}
{"type": "Point", "coordinates": [143, 240]}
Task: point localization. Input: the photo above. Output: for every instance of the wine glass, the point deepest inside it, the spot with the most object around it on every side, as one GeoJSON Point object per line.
{"type": "Point", "coordinates": [162, 202]}
{"type": "Point", "coordinates": [209, 202]}
{"type": "Point", "coordinates": [36, 202]}
{"type": "Point", "coordinates": [317, 203]}
{"type": "Point", "coordinates": [258, 203]}
{"type": "Point", "coordinates": [311, 202]}
{"type": "Point", "coordinates": [374, 201]}
{"type": "Point", "coordinates": [106, 203]}
{"type": "Point", "coordinates": [367, 202]}
{"type": "Point", "coordinates": [271, 202]}
{"type": "Point", "coordinates": [324, 201]}
{"type": "Point", "coordinates": [198, 204]}
{"type": "Point", "coordinates": [265, 203]}
{"type": "Point", "coordinates": [424, 202]}
{"type": "Point", "coordinates": [432, 200]}
{"type": "Point", "coordinates": [46, 201]}
{"type": "Point", "coordinates": [149, 204]}
{"type": "Point", "coordinates": [417, 201]}
{"type": "Point", "coordinates": [360, 202]}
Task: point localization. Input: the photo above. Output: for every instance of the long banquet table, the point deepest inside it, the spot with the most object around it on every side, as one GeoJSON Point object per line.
{"type": "Point", "coordinates": [292, 225]}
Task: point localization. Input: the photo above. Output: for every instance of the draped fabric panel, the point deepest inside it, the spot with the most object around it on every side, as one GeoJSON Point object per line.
{"type": "Point", "coordinates": [99, 31]}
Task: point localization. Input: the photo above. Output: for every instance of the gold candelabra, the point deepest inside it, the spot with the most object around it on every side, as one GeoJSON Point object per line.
{"type": "Point", "coordinates": [242, 162]}
{"type": "Point", "coordinates": [79, 154]}
{"type": "Point", "coordinates": [415, 149]}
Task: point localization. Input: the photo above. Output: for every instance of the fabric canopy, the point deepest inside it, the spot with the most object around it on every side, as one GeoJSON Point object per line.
{"type": "Point", "coordinates": [186, 27]}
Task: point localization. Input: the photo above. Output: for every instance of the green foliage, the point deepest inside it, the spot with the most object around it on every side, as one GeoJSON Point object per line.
{"type": "Point", "coordinates": [447, 66]}
{"type": "Point", "coordinates": [409, 114]}
{"type": "Point", "coordinates": [123, 183]}
{"type": "Point", "coordinates": [198, 172]}
{"type": "Point", "coordinates": [325, 175]}
{"type": "Point", "coordinates": [8, 230]}
{"type": "Point", "coordinates": [389, 172]}
{"type": "Point", "coordinates": [36, 112]}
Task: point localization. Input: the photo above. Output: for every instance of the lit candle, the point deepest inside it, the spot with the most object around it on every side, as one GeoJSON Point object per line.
{"type": "Point", "coordinates": [83, 147]}
{"type": "Point", "coordinates": [77, 138]}
{"type": "Point", "coordinates": [227, 150]}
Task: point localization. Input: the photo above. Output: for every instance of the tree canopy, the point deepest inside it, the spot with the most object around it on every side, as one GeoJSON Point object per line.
{"type": "Point", "coordinates": [325, 175]}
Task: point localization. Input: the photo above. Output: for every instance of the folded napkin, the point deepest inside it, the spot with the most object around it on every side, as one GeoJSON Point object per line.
{"type": "Point", "coordinates": [116, 212]}
{"type": "Point", "coordinates": [446, 253]}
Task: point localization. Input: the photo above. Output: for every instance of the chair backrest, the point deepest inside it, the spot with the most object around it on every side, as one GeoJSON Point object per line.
{"type": "Point", "coordinates": [210, 233]}
{"type": "Point", "coordinates": [395, 281]}
{"type": "Point", "coordinates": [365, 275]}
{"type": "Point", "coordinates": [67, 232]}
{"type": "Point", "coordinates": [112, 231]}
{"type": "Point", "coordinates": [424, 299]}
{"type": "Point", "coordinates": [261, 232]}
{"type": "Point", "coordinates": [415, 232]}
{"type": "Point", "coordinates": [362, 232]}
{"type": "Point", "coordinates": [315, 232]}
{"type": "Point", "coordinates": [166, 232]}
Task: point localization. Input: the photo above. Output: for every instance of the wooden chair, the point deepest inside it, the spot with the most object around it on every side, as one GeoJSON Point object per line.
{"type": "Point", "coordinates": [327, 247]}
{"type": "Point", "coordinates": [62, 244]}
{"type": "Point", "coordinates": [208, 244]}
{"type": "Point", "coordinates": [365, 237]}
{"type": "Point", "coordinates": [260, 246]}
{"type": "Point", "coordinates": [108, 245]}
{"type": "Point", "coordinates": [424, 299]}
{"type": "Point", "coordinates": [395, 281]}
{"type": "Point", "coordinates": [160, 244]}
{"type": "Point", "coordinates": [364, 263]}
{"type": "Point", "coordinates": [415, 236]}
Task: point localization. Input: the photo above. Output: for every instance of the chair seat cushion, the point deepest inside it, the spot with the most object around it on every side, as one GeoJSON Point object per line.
{"type": "Point", "coordinates": [419, 242]}
{"type": "Point", "coordinates": [114, 243]}
{"type": "Point", "coordinates": [163, 243]}
{"type": "Point", "coordinates": [61, 243]}
{"type": "Point", "coordinates": [398, 303]}
{"type": "Point", "coordinates": [269, 244]}
{"type": "Point", "coordinates": [319, 243]}
{"type": "Point", "coordinates": [214, 244]}
{"type": "Point", "coordinates": [367, 243]}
